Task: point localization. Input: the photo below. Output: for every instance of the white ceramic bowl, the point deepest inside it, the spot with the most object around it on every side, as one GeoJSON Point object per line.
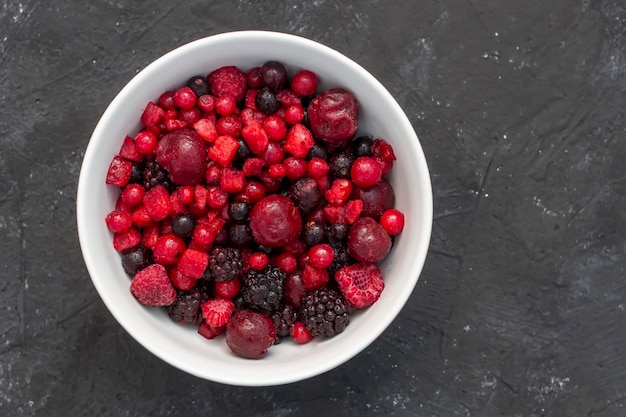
{"type": "Point", "coordinates": [181, 346]}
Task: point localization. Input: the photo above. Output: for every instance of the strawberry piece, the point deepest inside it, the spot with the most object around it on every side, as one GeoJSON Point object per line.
{"type": "Point", "coordinates": [300, 333]}
{"type": "Point", "coordinates": [152, 287]}
{"type": "Point", "coordinates": [149, 236]}
{"type": "Point", "coordinates": [180, 280]}
{"type": "Point", "coordinates": [232, 180]}
{"type": "Point", "coordinates": [299, 141]}
{"type": "Point", "coordinates": [255, 137]}
{"type": "Point", "coordinates": [217, 312]}
{"type": "Point", "coordinates": [152, 115]}
{"type": "Point", "coordinates": [129, 150]}
{"type": "Point", "coordinates": [141, 218]}
{"type": "Point", "coordinates": [157, 203]}
{"type": "Point", "coordinates": [193, 263]}
{"type": "Point", "coordinates": [224, 150]}
{"type": "Point", "coordinates": [126, 240]}
{"type": "Point", "coordinates": [361, 284]}
{"type": "Point", "coordinates": [354, 208]}
{"type": "Point", "coordinates": [339, 192]}
{"type": "Point", "coordinates": [206, 130]}
{"type": "Point", "coordinates": [119, 172]}
{"type": "Point", "coordinates": [210, 332]}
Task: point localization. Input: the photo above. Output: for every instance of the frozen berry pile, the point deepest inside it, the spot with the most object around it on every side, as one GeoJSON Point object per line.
{"type": "Point", "coordinates": [249, 206]}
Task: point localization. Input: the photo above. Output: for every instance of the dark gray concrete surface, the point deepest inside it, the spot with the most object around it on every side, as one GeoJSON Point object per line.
{"type": "Point", "coordinates": [520, 109]}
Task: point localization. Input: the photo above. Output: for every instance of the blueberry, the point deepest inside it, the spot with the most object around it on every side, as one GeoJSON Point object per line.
{"type": "Point", "coordinates": [313, 233]}
{"type": "Point", "coordinates": [239, 211]}
{"type": "Point", "coordinates": [338, 232]}
{"type": "Point", "coordinates": [362, 146]}
{"type": "Point", "coordinates": [135, 259]}
{"type": "Point", "coordinates": [340, 164]}
{"type": "Point", "coordinates": [266, 101]}
{"type": "Point", "coordinates": [183, 225]}
{"type": "Point", "coordinates": [317, 151]}
{"type": "Point", "coordinates": [199, 85]}
{"type": "Point", "coordinates": [240, 235]}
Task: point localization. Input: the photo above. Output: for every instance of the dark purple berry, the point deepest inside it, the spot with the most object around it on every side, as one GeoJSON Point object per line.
{"type": "Point", "coordinates": [266, 101]}
{"type": "Point", "coordinates": [183, 225]}
{"type": "Point", "coordinates": [362, 146]}
{"type": "Point", "coordinates": [340, 164]}
{"type": "Point", "coordinates": [305, 194]}
{"type": "Point", "coordinates": [199, 85]}
{"type": "Point", "coordinates": [274, 75]}
{"type": "Point", "coordinates": [313, 233]}
{"type": "Point", "coordinates": [135, 259]}
{"type": "Point", "coordinates": [240, 235]}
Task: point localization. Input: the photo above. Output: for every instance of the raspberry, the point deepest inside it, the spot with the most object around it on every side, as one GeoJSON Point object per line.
{"type": "Point", "coordinates": [193, 263]}
{"type": "Point", "coordinates": [151, 286]}
{"type": "Point", "coordinates": [324, 312]}
{"type": "Point", "coordinates": [186, 306]}
{"type": "Point", "coordinates": [217, 312]}
{"type": "Point", "coordinates": [361, 284]}
{"type": "Point", "coordinates": [228, 80]}
{"type": "Point", "coordinates": [263, 290]}
{"type": "Point", "coordinates": [210, 332]}
{"type": "Point", "coordinates": [384, 155]}
{"type": "Point", "coordinates": [339, 192]}
{"type": "Point", "coordinates": [225, 263]}
{"type": "Point", "coordinates": [126, 240]}
{"type": "Point", "coordinates": [365, 172]}
{"type": "Point", "coordinates": [157, 203]}
{"type": "Point", "coordinates": [284, 319]}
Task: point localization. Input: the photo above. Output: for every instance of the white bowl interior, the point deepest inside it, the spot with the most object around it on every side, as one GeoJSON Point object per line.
{"type": "Point", "coordinates": [180, 345]}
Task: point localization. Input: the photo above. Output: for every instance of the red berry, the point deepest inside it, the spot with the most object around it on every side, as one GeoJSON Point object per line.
{"type": "Point", "coordinates": [384, 155]}
{"type": "Point", "coordinates": [225, 105]}
{"type": "Point", "coordinates": [206, 103]}
{"type": "Point", "coordinates": [185, 98]}
{"type": "Point", "coordinates": [258, 261]}
{"type": "Point", "coordinates": [168, 249]}
{"type": "Point", "coordinates": [203, 235]}
{"type": "Point", "coordinates": [250, 334]}
{"type": "Point", "coordinates": [229, 126]}
{"type": "Point", "coordinates": [133, 194]}
{"type": "Point", "coordinates": [206, 130]}
{"type": "Point", "coordinates": [216, 197]}
{"type": "Point", "coordinates": [252, 167]}
{"type": "Point", "coordinates": [141, 218]}
{"type": "Point", "coordinates": [317, 167]}
{"type": "Point", "coordinates": [118, 221]}
{"type": "Point", "coordinates": [189, 117]}
{"type": "Point", "coordinates": [166, 100]}
{"type": "Point", "coordinates": [228, 80]}
{"type": "Point", "coordinates": [361, 284]}
{"type": "Point", "coordinates": [253, 192]}
{"type": "Point", "coordinates": [295, 168]}
{"type": "Point", "coordinates": [274, 154]}
{"type": "Point", "coordinates": [294, 289]}
{"type": "Point", "coordinates": [376, 199]}
{"type": "Point", "coordinates": [321, 256]}
{"type": "Point", "coordinates": [294, 114]}
{"type": "Point", "coordinates": [277, 171]}
{"type": "Point", "coordinates": [286, 261]}
{"type": "Point", "coordinates": [227, 289]}
{"type": "Point", "coordinates": [145, 142]}
{"type": "Point", "coordinates": [300, 333]}
{"type": "Point", "coordinates": [354, 208]}
{"type": "Point", "coordinates": [304, 83]}
{"type": "Point", "coordinates": [152, 287]}
{"type": "Point", "coordinates": [217, 312]}
{"type": "Point", "coordinates": [232, 180]}
{"type": "Point", "coordinates": [185, 194]}
{"type": "Point", "coordinates": [392, 221]}
{"type": "Point", "coordinates": [149, 236]}
{"type": "Point", "coordinates": [210, 332]}
{"type": "Point", "coordinates": [339, 192]}
{"type": "Point", "coordinates": [365, 172]}
{"type": "Point", "coordinates": [288, 98]}
{"type": "Point", "coordinates": [275, 128]}
{"type": "Point", "coordinates": [254, 78]}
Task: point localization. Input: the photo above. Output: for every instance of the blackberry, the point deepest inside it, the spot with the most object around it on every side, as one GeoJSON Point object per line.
{"type": "Point", "coordinates": [186, 307]}
{"type": "Point", "coordinates": [324, 312]}
{"type": "Point", "coordinates": [224, 263]}
{"type": "Point", "coordinates": [341, 258]}
{"type": "Point", "coordinates": [263, 290]}
{"type": "Point", "coordinates": [266, 101]}
{"type": "Point", "coordinates": [135, 259]}
{"type": "Point", "coordinates": [199, 85]}
{"type": "Point", "coordinates": [136, 173]}
{"type": "Point", "coordinates": [284, 319]}
{"type": "Point", "coordinates": [154, 174]}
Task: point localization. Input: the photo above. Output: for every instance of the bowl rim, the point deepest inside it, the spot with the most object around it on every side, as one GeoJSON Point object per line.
{"type": "Point", "coordinates": [82, 216]}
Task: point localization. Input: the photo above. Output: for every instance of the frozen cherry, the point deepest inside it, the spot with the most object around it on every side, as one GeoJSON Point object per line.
{"type": "Point", "coordinates": [334, 116]}
{"type": "Point", "coordinates": [274, 75]}
{"type": "Point", "coordinates": [376, 199]}
{"type": "Point", "coordinates": [250, 334]}
{"type": "Point", "coordinates": [368, 241]}
{"type": "Point", "coordinates": [275, 221]}
{"type": "Point", "coordinates": [183, 154]}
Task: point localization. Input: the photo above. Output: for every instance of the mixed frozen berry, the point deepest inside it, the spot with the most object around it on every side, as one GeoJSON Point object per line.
{"type": "Point", "coordinates": [250, 206]}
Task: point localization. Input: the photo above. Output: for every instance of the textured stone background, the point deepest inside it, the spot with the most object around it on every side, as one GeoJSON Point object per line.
{"type": "Point", "coordinates": [520, 109]}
